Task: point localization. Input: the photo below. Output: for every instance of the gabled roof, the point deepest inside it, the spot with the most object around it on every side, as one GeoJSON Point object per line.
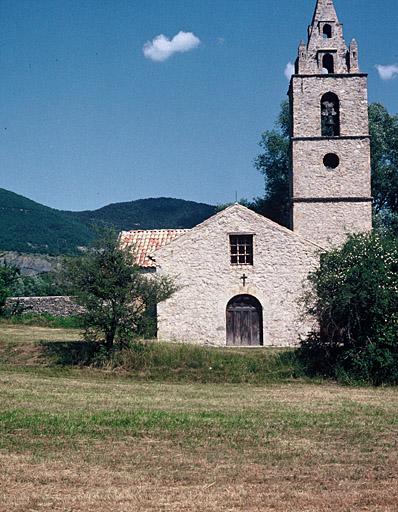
{"type": "Point", "coordinates": [268, 222]}
{"type": "Point", "coordinates": [248, 213]}
{"type": "Point", "coordinates": [145, 242]}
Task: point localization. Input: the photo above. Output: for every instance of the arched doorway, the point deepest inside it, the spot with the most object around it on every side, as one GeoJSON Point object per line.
{"type": "Point", "coordinates": [244, 321]}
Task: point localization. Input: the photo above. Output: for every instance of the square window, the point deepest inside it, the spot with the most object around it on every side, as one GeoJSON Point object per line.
{"type": "Point", "coordinates": [241, 249]}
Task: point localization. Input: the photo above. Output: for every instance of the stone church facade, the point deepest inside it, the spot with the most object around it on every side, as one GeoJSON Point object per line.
{"type": "Point", "coordinates": [210, 280]}
{"type": "Point", "coordinates": [240, 275]}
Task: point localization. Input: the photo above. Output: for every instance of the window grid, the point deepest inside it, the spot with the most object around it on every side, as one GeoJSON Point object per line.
{"type": "Point", "coordinates": [241, 249]}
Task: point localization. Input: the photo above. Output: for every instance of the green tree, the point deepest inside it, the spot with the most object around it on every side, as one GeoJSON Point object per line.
{"type": "Point", "coordinates": [112, 290]}
{"type": "Point", "coordinates": [384, 150]}
{"type": "Point", "coordinates": [274, 163]}
{"type": "Point", "coordinates": [9, 275]}
{"type": "Point", "coordinates": [354, 298]}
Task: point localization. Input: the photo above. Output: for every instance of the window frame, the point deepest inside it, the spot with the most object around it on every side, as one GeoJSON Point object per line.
{"type": "Point", "coordinates": [244, 257]}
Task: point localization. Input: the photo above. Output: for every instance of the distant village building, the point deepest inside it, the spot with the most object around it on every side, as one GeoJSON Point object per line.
{"type": "Point", "coordinates": [241, 275]}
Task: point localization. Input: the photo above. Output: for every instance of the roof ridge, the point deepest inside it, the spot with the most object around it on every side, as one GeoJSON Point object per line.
{"type": "Point", "coordinates": [264, 219]}
{"type": "Point", "coordinates": [152, 230]}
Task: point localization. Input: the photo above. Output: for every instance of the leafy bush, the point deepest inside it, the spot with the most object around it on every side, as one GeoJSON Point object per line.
{"type": "Point", "coordinates": [354, 297]}
{"type": "Point", "coordinates": [46, 284]}
{"type": "Point", "coordinates": [8, 277]}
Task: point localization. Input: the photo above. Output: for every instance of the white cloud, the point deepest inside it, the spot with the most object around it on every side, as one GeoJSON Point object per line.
{"type": "Point", "coordinates": [289, 70]}
{"type": "Point", "coordinates": [387, 72]}
{"type": "Point", "coordinates": [161, 47]}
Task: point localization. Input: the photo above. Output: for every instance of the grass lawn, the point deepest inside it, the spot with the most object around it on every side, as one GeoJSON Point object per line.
{"type": "Point", "coordinates": [95, 440]}
{"type": "Point", "coordinates": [22, 334]}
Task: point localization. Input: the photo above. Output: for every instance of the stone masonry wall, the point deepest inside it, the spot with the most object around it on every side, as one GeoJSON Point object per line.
{"type": "Point", "coordinates": [327, 222]}
{"type": "Point", "coordinates": [333, 221]}
{"type": "Point", "coordinates": [312, 61]}
{"type": "Point", "coordinates": [56, 306]}
{"type": "Point", "coordinates": [307, 93]}
{"type": "Point", "coordinates": [200, 263]}
{"type": "Point", "coordinates": [350, 179]}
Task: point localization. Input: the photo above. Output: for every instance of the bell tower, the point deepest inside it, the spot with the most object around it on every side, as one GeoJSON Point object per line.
{"type": "Point", "coordinates": [330, 143]}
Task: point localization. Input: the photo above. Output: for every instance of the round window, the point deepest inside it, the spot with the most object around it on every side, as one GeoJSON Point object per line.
{"type": "Point", "coordinates": [331, 161]}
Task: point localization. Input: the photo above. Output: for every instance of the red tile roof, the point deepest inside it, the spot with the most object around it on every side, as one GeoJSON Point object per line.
{"type": "Point", "coordinates": [145, 242]}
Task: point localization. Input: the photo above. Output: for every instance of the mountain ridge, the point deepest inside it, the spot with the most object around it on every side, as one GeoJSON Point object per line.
{"type": "Point", "coordinates": [149, 213]}
{"type": "Point", "coordinates": [27, 226]}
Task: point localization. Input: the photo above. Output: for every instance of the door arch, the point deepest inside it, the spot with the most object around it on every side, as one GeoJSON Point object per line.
{"type": "Point", "coordinates": [244, 321]}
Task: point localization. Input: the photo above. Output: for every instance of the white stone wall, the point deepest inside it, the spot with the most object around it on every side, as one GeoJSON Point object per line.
{"type": "Point", "coordinates": [326, 222]}
{"type": "Point", "coordinates": [200, 263]}
{"type": "Point", "coordinates": [307, 94]}
{"type": "Point", "coordinates": [334, 221]}
{"type": "Point", "coordinates": [350, 179]}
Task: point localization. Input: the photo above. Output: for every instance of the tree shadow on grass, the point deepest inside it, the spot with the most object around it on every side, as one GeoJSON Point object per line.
{"type": "Point", "coordinates": [70, 353]}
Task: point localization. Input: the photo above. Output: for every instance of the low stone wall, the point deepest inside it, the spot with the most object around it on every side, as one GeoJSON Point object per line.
{"type": "Point", "coordinates": [56, 306]}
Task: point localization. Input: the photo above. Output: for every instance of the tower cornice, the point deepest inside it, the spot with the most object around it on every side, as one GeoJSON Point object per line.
{"type": "Point", "coordinates": [341, 137]}
{"type": "Point", "coordinates": [330, 75]}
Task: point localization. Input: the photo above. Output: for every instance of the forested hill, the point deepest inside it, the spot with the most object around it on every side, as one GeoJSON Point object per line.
{"type": "Point", "coordinates": [153, 213]}
{"type": "Point", "coordinates": [30, 227]}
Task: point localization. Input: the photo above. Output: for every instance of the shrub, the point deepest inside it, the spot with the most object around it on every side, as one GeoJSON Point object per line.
{"type": "Point", "coordinates": [354, 298]}
{"type": "Point", "coordinates": [113, 290]}
{"type": "Point", "coordinates": [45, 284]}
{"type": "Point", "coordinates": [9, 275]}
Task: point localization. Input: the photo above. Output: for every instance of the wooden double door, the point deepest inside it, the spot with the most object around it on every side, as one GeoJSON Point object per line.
{"type": "Point", "coordinates": [244, 321]}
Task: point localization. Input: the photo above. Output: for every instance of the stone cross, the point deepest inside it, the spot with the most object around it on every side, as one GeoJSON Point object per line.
{"type": "Point", "coordinates": [244, 277]}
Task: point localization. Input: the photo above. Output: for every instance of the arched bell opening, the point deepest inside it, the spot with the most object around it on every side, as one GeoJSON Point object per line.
{"type": "Point", "coordinates": [330, 115]}
{"type": "Point", "coordinates": [328, 64]}
{"type": "Point", "coordinates": [327, 31]}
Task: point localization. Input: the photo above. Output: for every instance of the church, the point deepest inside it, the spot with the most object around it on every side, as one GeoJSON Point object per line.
{"type": "Point", "coordinates": [240, 276]}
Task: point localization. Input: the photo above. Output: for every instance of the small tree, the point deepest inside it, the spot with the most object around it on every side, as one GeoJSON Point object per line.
{"type": "Point", "coordinates": [354, 297]}
{"type": "Point", "coordinates": [113, 290]}
{"type": "Point", "coordinates": [9, 275]}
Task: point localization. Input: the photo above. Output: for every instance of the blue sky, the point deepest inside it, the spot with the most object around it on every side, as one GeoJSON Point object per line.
{"type": "Point", "coordinates": [87, 119]}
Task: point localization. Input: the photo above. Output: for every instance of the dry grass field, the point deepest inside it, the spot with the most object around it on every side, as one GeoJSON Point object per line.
{"type": "Point", "coordinates": [91, 440]}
